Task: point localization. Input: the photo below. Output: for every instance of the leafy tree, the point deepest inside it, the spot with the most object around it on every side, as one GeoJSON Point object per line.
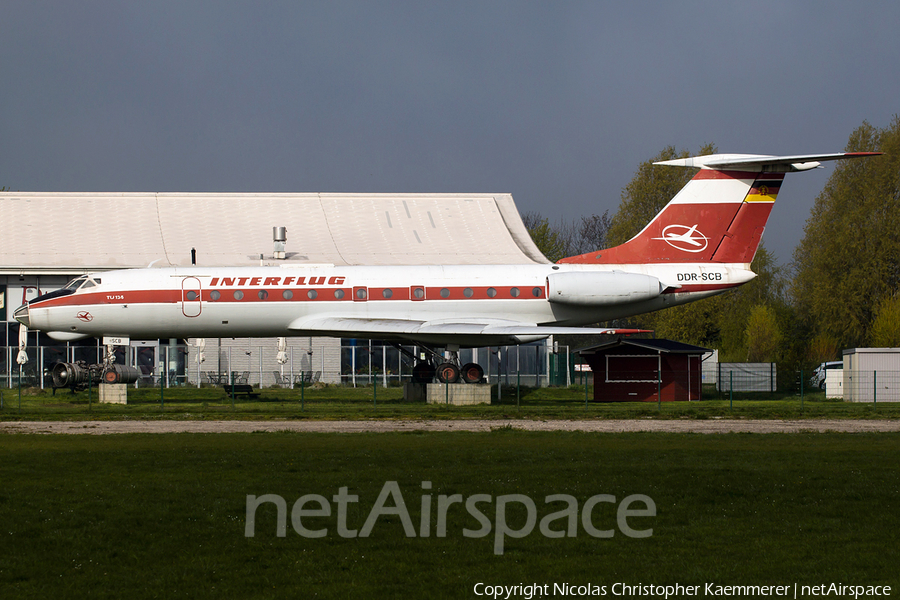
{"type": "Point", "coordinates": [592, 233]}
{"type": "Point", "coordinates": [767, 288]}
{"type": "Point", "coordinates": [822, 348]}
{"type": "Point", "coordinates": [567, 238]}
{"type": "Point", "coordinates": [549, 240]}
{"type": "Point", "coordinates": [849, 258]}
{"type": "Point", "coordinates": [763, 334]}
{"type": "Point", "coordinates": [885, 332]}
{"type": "Point", "coordinates": [694, 323]}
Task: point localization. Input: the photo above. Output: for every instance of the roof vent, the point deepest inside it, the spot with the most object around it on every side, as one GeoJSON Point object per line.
{"type": "Point", "coordinates": [279, 236]}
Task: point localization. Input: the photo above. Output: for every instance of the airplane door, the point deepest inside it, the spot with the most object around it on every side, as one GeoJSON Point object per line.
{"type": "Point", "coordinates": [190, 297]}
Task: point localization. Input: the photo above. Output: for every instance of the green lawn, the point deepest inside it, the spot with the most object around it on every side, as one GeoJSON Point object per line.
{"type": "Point", "coordinates": [339, 402]}
{"type": "Point", "coordinates": [163, 516]}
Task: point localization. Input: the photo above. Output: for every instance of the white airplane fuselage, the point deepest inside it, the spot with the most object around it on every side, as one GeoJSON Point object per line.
{"type": "Point", "coordinates": [272, 301]}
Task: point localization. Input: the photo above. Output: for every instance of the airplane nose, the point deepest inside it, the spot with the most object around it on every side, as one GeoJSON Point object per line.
{"type": "Point", "coordinates": [21, 315]}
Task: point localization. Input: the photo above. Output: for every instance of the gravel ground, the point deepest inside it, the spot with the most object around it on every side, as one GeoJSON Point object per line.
{"type": "Point", "coordinates": [603, 426]}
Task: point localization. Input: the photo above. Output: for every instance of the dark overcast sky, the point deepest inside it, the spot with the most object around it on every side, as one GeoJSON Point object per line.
{"type": "Point", "coordinates": [555, 102]}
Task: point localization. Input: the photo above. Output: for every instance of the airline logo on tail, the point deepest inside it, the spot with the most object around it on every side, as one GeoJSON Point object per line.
{"type": "Point", "coordinates": [682, 237]}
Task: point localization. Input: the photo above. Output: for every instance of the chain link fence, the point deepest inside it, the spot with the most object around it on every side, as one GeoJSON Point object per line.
{"type": "Point", "coordinates": [266, 365]}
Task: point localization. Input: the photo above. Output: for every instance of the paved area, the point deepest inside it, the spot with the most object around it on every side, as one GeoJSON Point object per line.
{"type": "Point", "coordinates": [710, 426]}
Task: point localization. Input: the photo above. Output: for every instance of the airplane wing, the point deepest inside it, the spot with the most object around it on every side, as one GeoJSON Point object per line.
{"type": "Point", "coordinates": [476, 331]}
{"type": "Point", "coordinates": [762, 163]}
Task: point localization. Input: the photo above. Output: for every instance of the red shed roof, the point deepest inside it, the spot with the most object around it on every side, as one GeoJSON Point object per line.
{"type": "Point", "coordinates": [658, 345]}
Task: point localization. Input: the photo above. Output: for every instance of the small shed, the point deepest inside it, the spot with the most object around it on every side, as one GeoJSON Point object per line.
{"type": "Point", "coordinates": [645, 370]}
{"type": "Point", "coordinates": [872, 375]}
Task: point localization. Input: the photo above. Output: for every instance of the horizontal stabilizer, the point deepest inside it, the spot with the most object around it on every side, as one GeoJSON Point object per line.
{"type": "Point", "coordinates": [761, 163]}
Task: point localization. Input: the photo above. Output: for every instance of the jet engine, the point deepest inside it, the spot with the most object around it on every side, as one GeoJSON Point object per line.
{"type": "Point", "coordinates": [602, 288]}
{"type": "Point", "coordinates": [120, 374]}
{"type": "Point", "coordinates": [75, 375]}
{"type": "Point", "coordinates": [80, 374]}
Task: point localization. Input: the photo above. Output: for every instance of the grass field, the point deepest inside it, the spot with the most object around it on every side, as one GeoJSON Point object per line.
{"type": "Point", "coordinates": [338, 402]}
{"type": "Point", "coordinates": [164, 516]}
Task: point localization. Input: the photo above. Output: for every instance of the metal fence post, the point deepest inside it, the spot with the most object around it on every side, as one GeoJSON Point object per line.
{"type": "Point", "coordinates": [499, 379]}
{"type": "Point", "coordinates": [874, 388]}
{"type": "Point", "coordinates": [718, 380]}
{"type": "Point", "coordinates": [162, 400]}
{"type": "Point", "coordinates": [659, 390]}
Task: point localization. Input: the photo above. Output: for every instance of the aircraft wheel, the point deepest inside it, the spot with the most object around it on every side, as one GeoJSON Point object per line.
{"type": "Point", "coordinates": [448, 373]}
{"type": "Point", "coordinates": [423, 372]}
{"type": "Point", "coordinates": [472, 373]}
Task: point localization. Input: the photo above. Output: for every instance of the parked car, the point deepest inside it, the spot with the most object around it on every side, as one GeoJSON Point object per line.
{"type": "Point", "coordinates": [818, 377]}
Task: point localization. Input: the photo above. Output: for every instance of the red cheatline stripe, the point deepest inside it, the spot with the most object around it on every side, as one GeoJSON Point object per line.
{"type": "Point", "coordinates": [375, 294]}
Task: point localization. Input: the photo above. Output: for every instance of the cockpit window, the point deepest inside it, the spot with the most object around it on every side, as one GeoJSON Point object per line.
{"type": "Point", "coordinates": [75, 283]}
{"type": "Point", "coordinates": [83, 282]}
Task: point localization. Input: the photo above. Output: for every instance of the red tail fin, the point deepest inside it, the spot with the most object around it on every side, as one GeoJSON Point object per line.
{"type": "Point", "coordinates": [719, 216]}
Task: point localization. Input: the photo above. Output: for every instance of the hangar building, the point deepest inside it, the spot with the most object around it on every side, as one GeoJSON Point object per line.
{"type": "Point", "coordinates": [46, 239]}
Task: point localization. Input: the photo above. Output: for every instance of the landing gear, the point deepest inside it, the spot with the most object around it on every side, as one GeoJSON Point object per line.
{"type": "Point", "coordinates": [423, 372]}
{"type": "Point", "coordinates": [444, 368]}
{"type": "Point", "coordinates": [447, 373]}
{"type": "Point", "coordinates": [472, 373]}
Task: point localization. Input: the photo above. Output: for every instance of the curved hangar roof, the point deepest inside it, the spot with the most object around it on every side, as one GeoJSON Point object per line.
{"type": "Point", "coordinates": [77, 232]}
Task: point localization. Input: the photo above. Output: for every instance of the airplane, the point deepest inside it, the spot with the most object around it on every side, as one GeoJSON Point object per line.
{"type": "Point", "coordinates": [700, 244]}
